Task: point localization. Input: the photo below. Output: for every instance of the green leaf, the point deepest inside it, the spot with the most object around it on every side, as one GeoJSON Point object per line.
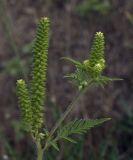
{"type": "Point", "coordinates": [105, 79]}
{"type": "Point", "coordinates": [102, 80]}
{"type": "Point", "coordinates": [54, 144]}
{"type": "Point", "coordinates": [74, 127]}
{"type": "Point", "coordinates": [69, 139]}
{"type": "Point", "coordinates": [72, 60]}
{"type": "Point", "coordinates": [78, 127]}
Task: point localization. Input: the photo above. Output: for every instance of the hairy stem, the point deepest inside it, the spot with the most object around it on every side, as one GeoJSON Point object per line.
{"type": "Point", "coordinates": [68, 110]}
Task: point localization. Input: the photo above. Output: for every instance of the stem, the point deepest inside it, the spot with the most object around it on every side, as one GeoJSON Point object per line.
{"type": "Point", "coordinates": [68, 110]}
{"type": "Point", "coordinates": [39, 151]}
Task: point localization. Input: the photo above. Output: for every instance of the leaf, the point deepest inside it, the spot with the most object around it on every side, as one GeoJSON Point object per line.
{"type": "Point", "coordinates": [69, 139]}
{"type": "Point", "coordinates": [72, 60]}
{"type": "Point", "coordinates": [78, 127]}
{"type": "Point", "coordinates": [102, 80]}
{"type": "Point", "coordinates": [54, 144]}
{"type": "Point", "coordinates": [46, 132]}
{"type": "Point", "coordinates": [74, 127]}
{"type": "Point", "coordinates": [105, 78]}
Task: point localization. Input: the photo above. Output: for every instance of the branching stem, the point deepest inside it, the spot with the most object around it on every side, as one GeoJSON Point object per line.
{"type": "Point", "coordinates": [68, 110]}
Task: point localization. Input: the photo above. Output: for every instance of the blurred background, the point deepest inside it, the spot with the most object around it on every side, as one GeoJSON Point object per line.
{"type": "Point", "coordinates": [73, 24]}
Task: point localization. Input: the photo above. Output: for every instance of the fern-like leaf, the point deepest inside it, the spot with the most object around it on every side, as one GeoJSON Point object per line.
{"type": "Point", "coordinates": [51, 142]}
{"type": "Point", "coordinates": [78, 127]}
{"type": "Point", "coordinates": [74, 127]}
{"type": "Point", "coordinates": [54, 144]}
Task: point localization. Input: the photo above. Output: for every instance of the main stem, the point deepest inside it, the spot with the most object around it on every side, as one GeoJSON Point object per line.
{"type": "Point", "coordinates": [39, 151]}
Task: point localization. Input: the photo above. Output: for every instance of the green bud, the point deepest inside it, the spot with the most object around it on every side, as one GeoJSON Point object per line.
{"type": "Point", "coordinates": [25, 104]}
{"type": "Point", "coordinates": [97, 49]}
{"type": "Point", "coordinates": [39, 68]}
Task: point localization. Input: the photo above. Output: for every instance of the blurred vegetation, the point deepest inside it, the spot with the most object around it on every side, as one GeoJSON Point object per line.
{"type": "Point", "coordinates": [12, 67]}
{"type": "Point", "coordinates": [87, 7]}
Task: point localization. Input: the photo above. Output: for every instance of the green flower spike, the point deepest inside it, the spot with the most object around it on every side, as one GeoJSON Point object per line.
{"type": "Point", "coordinates": [39, 68]}
{"type": "Point", "coordinates": [97, 49]}
{"type": "Point", "coordinates": [25, 104]}
{"type": "Point", "coordinates": [89, 72]}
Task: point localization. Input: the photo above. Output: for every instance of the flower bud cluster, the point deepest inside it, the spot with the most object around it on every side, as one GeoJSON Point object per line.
{"type": "Point", "coordinates": [90, 70]}
{"type": "Point", "coordinates": [96, 60]}
{"type": "Point", "coordinates": [32, 106]}
{"type": "Point", "coordinates": [39, 68]}
{"type": "Point", "coordinates": [25, 104]}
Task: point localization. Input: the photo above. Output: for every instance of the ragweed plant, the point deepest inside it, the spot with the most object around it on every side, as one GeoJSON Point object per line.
{"type": "Point", "coordinates": [31, 100]}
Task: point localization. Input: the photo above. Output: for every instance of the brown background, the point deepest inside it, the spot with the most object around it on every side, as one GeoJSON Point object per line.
{"type": "Point", "coordinates": [70, 36]}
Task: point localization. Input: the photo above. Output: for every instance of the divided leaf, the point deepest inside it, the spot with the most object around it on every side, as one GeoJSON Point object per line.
{"type": "Point", "coordinates": [74, 127]}
{"type": "Point", "coordinates": [78, 127]}
{"type": "Point", "coordinates": [52, 142]}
